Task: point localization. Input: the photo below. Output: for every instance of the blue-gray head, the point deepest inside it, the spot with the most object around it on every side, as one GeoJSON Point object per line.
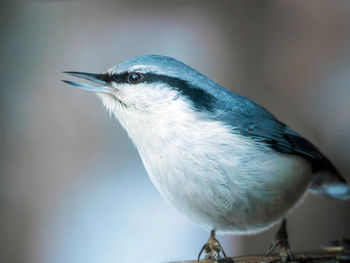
{"type": "Point", "coordinates": [150, 82]}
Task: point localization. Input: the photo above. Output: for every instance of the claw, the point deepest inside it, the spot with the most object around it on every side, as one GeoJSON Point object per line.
{"type": "Point", "coordinates": [272, 247]}
{"type": "Point", "coordinates": [281, 241]}
{"type": "Point", "coordinates": [200, 253]}
{"type": "Point", "coordinates": [212, 249]}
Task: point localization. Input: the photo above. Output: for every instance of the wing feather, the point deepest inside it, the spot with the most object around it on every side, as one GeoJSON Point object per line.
{"type": "Point", "coordinates": [252, 120]}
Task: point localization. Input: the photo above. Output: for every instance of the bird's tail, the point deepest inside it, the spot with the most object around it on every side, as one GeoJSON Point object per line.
{"type": "Point", "coordinates": [330, 184]}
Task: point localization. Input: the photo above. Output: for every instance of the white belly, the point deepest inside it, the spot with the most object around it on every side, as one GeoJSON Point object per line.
{"type": "Point", "coordinates": [216, 178]}
{"type": "Point", "coordinates": [229, 191]}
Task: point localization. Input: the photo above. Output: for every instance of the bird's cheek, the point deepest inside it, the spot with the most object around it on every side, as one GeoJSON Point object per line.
{"type": "Point", "coordinates": [125, 96]}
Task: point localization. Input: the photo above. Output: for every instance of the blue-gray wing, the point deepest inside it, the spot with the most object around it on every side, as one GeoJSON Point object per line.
{"type": "Point", "coordinates": [252, 120]}
{"type": "Point", "coordinates": [255, 122]}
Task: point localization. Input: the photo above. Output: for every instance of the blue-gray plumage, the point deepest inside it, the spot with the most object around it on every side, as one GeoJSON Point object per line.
{"type": "Point", "coordinates": [218, 157]}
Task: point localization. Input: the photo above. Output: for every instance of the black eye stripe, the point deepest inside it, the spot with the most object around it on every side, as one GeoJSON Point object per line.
{"type": "Point", "coordinates": [200, 98]}
{"type": "Point", "coordinates": [125, 77]}
{"type": "Point", "coordinates": [118, 78]}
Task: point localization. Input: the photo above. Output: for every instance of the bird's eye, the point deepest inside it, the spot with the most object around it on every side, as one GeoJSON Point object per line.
{"type": "Point", "coordinates": [134, 78]}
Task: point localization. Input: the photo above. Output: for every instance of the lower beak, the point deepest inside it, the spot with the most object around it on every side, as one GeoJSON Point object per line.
{"type": "Point", "coordinates": [101, 86]}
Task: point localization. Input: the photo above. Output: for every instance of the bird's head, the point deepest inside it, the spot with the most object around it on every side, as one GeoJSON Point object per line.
{"type": "Point", "coordinates": [149, 84]}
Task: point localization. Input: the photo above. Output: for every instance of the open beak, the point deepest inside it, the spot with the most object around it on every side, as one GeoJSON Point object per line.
{"type": "Point", "coordinates": [101, 85]}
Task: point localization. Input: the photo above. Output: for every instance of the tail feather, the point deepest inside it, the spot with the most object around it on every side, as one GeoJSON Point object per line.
{"type": "Point", "coordinates": [330, 184]}
{"type": "Point", "coordinates": [336, 191]}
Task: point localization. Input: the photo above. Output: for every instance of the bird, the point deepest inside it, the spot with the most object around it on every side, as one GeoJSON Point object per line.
{"type": "Point", "coordinates": [218, 157]}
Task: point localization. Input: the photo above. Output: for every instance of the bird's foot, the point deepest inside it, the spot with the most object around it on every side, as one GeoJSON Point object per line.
{"type": "Point", "coordinates": [284, 249]}
{"type": "Point", "coordinates": [281, 242]}
{"type": "Point", "coordinates": [212, 249]}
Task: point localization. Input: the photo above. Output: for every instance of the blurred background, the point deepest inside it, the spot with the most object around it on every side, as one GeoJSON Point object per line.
{"type": "Point", "coordinates": [72, 186]}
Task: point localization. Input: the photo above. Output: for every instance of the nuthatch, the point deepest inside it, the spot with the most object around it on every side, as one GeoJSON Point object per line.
{"type": "Point", "coordinates": [218, 157]}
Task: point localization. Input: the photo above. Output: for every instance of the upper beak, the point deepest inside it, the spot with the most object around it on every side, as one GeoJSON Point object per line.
{"type": "Point", "coordinates": [97, 78]}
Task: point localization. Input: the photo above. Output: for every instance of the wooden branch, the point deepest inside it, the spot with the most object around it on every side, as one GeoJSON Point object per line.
{"type": "Point", "coordinates": [300, 258]}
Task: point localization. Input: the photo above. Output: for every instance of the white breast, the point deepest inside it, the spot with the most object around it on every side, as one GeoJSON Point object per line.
{"type": "Point", "coordinates": [217, 178]}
